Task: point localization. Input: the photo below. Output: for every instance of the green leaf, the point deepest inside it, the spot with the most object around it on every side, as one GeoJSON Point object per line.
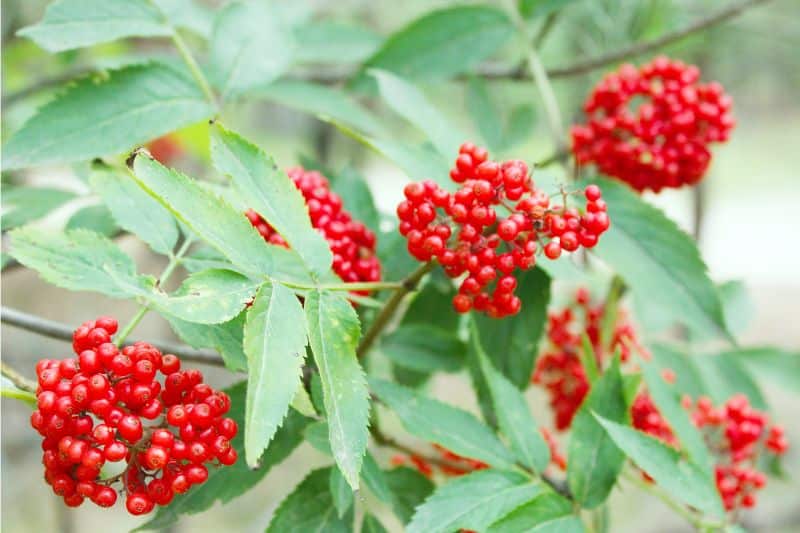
{"type": "Point", "coordinates": [410, 489]}
{"type": "Point", "coordinates": [532, 9]}
{"type": "Point", "coordinates": [780, 366]}
{"type": "Point", "coordinates": [548, 513]}
{"type": "Point", "coordinates": [432, 306]}
{"type": "Point", "coordinates": [275, 345]}
{"type": "Point", "coordinates": [520, 125]}
{"type": "Point", "coordinates": [128, 204]}
{"type": "Point", "coordinates": [725, 377]}
{"type": "Point", "coordinates": [250, 46]}
{"type": "Point", "coordinates": [208, 297]}
{"type": "Point", "coordinates": [443, 43]}
{"type": "Point", "coordinates": [443, 424]}
{"type": "Point", "coordinates": [272, 194]}
{"type": "Point", "coordinates": [588, 358]}
{"type": "Point", "coordinates": [513, 414]}
{"type": "Point", "coordinates": [323, 102]}
{"type": "Point", "coordinates": [340, 491]}
{"type": "Point", "coordinates": [424, 348]}
{"type": "Point", "coordinates": [737, 305]}
{"type": "Point", "coordinates": [225, 338]}
{"type": "Point", "coordinates": [372, 525]}
{"type": "Point", "coordinates": [681, 479]}
{"type": "Point", "coordinates": [669, 405]}
{"type": "Point", "coordinates": [594, 461]}
{"type": "Point", "coordinates": [26, 204]}
{"type": "Point", "coordinates": [95, 218]}
{"type": "Point", "coordinates": [410, 103]}
{"type": "Point", "coordinates": [226, 483]}
{"type": "Point", "coordinates": [375, 479]}
{"type": "Point", "coordinates": [687, 376]}
{"type": "Point", "coordinates": [78, 260]}
{"type": "Point", "coordinates": [333, 330]}
{"type": "Point", "coordinates": [69, 24]}
{"type": "Point", "coordinates": [473, 501]}
{"type": "Point", "coordinates": [301, 402]}
{"type": "Point", "coordinates": [659, 260]}
{"type": "Point", "coordinates": [512, 343]}
{"type": "Point", "coordinates": [351, 185]}
{"type": "Point", "coordinates": [188, 14]}
{"type": "Point", "coordinates": [324, 41]}
{"type": "Point", "coordinates": [207, 215]}
{"type": "Point", "coordinates": [485, 115]}
{"type": "Point", "coordinates": [108, 114]}
{"type": "Point", "coordinates": [310, 507]}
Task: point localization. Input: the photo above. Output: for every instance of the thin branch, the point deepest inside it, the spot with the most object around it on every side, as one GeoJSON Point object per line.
{"type": "Point", "coordinates": [19, 381]}
{"type": "Point", "coordinates": [59, 331]}
{"type": "Point", "coordinates": [385, 315]}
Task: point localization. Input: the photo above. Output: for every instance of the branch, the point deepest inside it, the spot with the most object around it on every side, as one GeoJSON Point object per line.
{"type": "Point", "coordinates": [388, 311]}
{"type": "Point", "coordinates": [59, 331]}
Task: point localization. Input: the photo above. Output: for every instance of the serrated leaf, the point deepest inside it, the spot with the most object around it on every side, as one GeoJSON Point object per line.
{"type": "Point", "coordinates": [69, 24]}
{"type": "Point", "coordinates": [26, 204]}
{"type": "Point", "coordinates": [473, 501]}
{"type": "Point", "coordinates": [95, 218]}
{"type": "Point", "coordinates": [323, 102]}
{"type": "Point", "coordinates": [594, 460]}
{"type": "Point", "coordinates": [341, 492]}
{"type": "Point", "coordinates": [424, 348]}
{"type": "Point", "coordinates": [669, 405]}
{"type": "Point", "coordinates": [333, 331]}
{"type": "Point", "coordinates": [778, 365]}
{"type": "Point", "coordinates": [226, 483]}
{"type": "Point", "coordinates": [513, 414]}
{"type": "Point", "coordinates": [208, 297]}
{"type": "Point", "coordinates": [410, 489]}
{"type": "Point", "coordinates": [485, 115]}
{"type": "Point", "coordinates": [135, 210]}
{"type": "Point", "coordinates": [372, 525]}
{"type": "Point", "coordinates": [225, 338]}
{"type": "Point", "coordinates": [206, 215]}
{"type": "Point", "coordinates": [659, 260]}
{"type": "Point", "coordinates": [323, 41]}
{"type": "Point", "coordinates": [512, 343]}
{"type": "Point", "coordinates": [737, 305]}
{"type": "Point", "coordinates": [410, 103]}
{"type": "Point", "coordinates": [272, 194]}
{"type": "Point", "coordinates": [77, 260]}
{"type": "Point", "coordinates": [250, 46]}
{"type": "Point", "coordinates": [683, 480]}
{"type": "Point", "coordinates": [309, 508]}
{"type": "Point", "coordinates": [548, 513]}
{"type": "Point", "coordinates": [724, 377]}
{"type": "Point", "coordinates": [275, 345]}
{"type": "Point", "coordinates": [443, 43]}
{"type": "Point", "coordinates": [448, 426]}
{"type": "Point", "coordinates": [375, 479]}
{"type": "Point", "coordinates": [301, 402]}
{"type": "Point", "coordinates": [108, 115]}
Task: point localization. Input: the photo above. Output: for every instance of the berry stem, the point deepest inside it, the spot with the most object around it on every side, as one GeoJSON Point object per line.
{"type": "Point", "coordinates": [19, 381]}
{"type": "Point", "coordinates": [385, 315]}
{"type": "Point", "coordinates": [354, 286]}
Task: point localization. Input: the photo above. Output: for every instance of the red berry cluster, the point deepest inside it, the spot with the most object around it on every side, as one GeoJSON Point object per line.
{"type": "Point", "coordinates": [352, 243]}
{"type": "Point", "coordinates": [736, 431]}
{"type": "Point", "coordinates": [662, 141]}
{"type": "Point", "coordinates": [465, 234]}
{"type": "Point", "coordinates": [107, 405]}
{"type": "Point", "coordinates": [165, 149]}
{"type": "Point", "coordinates": [451, 465]}
{"type": "Point", "coordinates": [559, 368]}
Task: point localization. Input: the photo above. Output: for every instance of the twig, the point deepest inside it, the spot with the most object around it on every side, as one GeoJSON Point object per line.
{"type": "Point", "coordinates": [388, 311]}
{"type": "Point", "coordinates": [19, 381]}
{"type": "Point", "coordinates": [59, 331]}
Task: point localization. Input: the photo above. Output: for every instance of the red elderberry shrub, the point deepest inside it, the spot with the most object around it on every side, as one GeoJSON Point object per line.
{"type": "Point", "coordinates": [736, 432]}
{"type": "Point", "coordinates": [467, 234]}
{"type": "Point", "coordinates": [559, 369]}
{"type": "Point", "coordinates": [652, 126]}
{"type": "Point", "coordinates": [352, 243]}
{"type": "Point", "coordinates": [107, 405]}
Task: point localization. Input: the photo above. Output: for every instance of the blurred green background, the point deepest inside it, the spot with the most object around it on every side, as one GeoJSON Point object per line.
{"type": "Point", "coordinates": [749, 231]}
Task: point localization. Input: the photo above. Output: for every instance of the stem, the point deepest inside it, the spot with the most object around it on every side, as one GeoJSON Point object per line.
{"type": "Point", "coordinates": [174, 260]}
{"type": "Point", "coordinates": [610, 311]}
{"type": "Point", "coordinates": [356, 286]}
{"type": "Point", "coordinates": [388, 311]}
{"type": "Point", "coordinates": [19, 381]}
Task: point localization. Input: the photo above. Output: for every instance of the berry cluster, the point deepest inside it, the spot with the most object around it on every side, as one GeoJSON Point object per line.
{"type": "Point", "coordinates": [106, 405]}
{"type": "Point", "coordinates": [736, 433]}
{"type": "Point", "coordinates": [465, 234]}
{"type": "Point", "coordinates": [451, 464]}
{"type": "Point", "coordinates": [662, 141]}
{"type": "Point", "coordinates": [352, 243]}
{"type": "Point", "coordinates": [165, 149]}
{"type": "Point", "coordinates": [559, 368]}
